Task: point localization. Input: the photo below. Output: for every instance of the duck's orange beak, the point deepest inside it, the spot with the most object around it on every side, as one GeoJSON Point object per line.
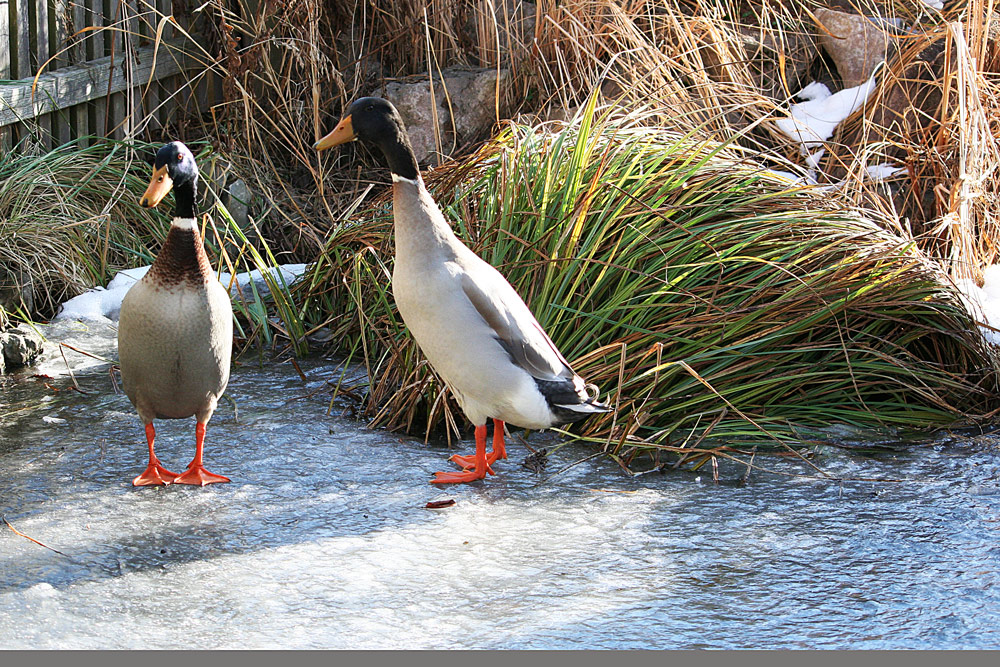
{"type": "Point", "coordinates": [343, 133]}
{"type": "Point", "coordinates": [158, 188]}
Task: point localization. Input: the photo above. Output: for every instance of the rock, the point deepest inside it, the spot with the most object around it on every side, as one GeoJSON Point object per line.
{"type": "Point", "coordinates": [238, 203]}
{"type": "Point", "coordinates": [854, 42]}
{"type": "Point", "coordinates": [470, 114]}
{"type": "Point", "coordinates": [21, 346]}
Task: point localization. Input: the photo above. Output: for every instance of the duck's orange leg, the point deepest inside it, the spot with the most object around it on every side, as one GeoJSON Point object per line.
{"type": "Point", "coordinates": [155, 474]}
{"type": "Point", "coordinates": [499, 451]}
{"type": "Point", "coordinates": [196, 473]}
{"type": "Point", "coordinates": [481, 466]}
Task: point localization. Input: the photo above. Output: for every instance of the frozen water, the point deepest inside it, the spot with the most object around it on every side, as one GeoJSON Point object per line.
{"type": "Point", "coordinates": [322, 540]}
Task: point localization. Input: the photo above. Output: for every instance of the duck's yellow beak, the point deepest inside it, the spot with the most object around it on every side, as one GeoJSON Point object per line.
{"type": "Point", "coordinates": [341, 134]}
{"type": "Point", "coordinates": [158, 188]}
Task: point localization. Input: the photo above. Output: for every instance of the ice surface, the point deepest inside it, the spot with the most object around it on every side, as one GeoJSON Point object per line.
{"type": "Point", "coordinates": [103, 304]}
{"type": "Point", "coordinates": [322, 540]}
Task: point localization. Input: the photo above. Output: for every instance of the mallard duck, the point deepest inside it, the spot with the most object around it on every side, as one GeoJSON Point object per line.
{"type": "Point", "coordinates": [175, 329]}
{"type": "Point", "coordinates": [474, 329]}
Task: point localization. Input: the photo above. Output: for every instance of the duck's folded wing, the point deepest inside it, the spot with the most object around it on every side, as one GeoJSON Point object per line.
{"type": "Point", "coordinates": [517, 330]}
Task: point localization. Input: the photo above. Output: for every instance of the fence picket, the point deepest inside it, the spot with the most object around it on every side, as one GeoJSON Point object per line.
{"type": "Point", "coordinates": [62, 83]}
{"type": "Point", "coordinates": [58, 30]}
{"type": "Point", "coordinates": [41, 28]}
{"type": "Point", "coordinates": [98, 49]}
{"type": "Point", "coordinates": [81, 112]}
{"type": "Point", "coordinates": [5, 62]}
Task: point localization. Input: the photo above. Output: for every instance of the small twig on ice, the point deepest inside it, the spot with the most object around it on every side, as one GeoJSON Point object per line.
{"type": "Point", "coordinates": [17, 532]}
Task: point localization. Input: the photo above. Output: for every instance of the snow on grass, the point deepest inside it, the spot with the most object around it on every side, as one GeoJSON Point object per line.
{"type": "Point", "coordinates": [814, 120]}
{"type": "Point", "coordinates": [103, 303]}
{"type": "Point", "coordinates": [983, 303]}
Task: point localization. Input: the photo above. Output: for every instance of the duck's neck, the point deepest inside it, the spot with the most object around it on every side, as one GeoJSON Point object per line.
{"type": "Point", "coordinates": [182, 258]}
{"type": "Point", "coordinates": [184, 195]}
{"type": "Point", "coordinates": [421, 230]}
{"type": "Point", "coordinates": [399, 155]}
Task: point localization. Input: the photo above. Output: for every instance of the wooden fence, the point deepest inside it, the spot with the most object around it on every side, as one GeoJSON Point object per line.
{"type": "Point", "coordinates": [103, 72]}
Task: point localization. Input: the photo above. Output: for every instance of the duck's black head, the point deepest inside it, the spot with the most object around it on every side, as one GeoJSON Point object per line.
{"type": "Point", "coordinates": [375, 121]}
{"type": "Point", "coordinates": [174, 168]}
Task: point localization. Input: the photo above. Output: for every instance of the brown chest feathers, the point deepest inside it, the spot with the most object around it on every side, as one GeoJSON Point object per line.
{"type": "Point", "coordinates": [182, 259]}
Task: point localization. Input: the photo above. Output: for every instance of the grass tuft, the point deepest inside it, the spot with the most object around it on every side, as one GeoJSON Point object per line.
{"type": "Point", "coordinates": [695, 289]}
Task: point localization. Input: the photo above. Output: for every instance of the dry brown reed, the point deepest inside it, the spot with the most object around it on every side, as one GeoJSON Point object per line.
{"type": "Point", "coordinates": [725, 69]}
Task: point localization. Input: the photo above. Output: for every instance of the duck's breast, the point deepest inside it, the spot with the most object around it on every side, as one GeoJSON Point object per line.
{"type": "Point", "coordinates": [462, 348]}
{"type": "Point", "coordinates": [174, 346]}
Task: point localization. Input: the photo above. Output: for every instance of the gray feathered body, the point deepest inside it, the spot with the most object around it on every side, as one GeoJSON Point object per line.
{"type": "Point", "coordinates": [475, 330]}
{"type": "Point", "coordinates": [175, 333]}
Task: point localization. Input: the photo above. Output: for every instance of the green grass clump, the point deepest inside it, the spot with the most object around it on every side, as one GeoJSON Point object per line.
{"type": "Point", "coordinates": [700, 293]}
{"type": "Point", "coordinates": [70, 218]}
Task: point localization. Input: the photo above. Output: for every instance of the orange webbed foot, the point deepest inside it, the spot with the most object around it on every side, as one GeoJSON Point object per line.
{"type": "Point", "coordinates": [499, 450]}
{"type": "Point", "coordinates": [155, 475]}
{"type": "Point", "coordinates": [478, 462]}
{"type": "Point", "coordinates": [458, 477]}
{"type": "Point", "coordinates": [198, 476]}
{"type": "Point", "coordinates": [469, 461]}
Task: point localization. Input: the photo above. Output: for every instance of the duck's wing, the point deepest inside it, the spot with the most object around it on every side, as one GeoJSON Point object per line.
{"type": "Point", "coordinates": [522, 337]}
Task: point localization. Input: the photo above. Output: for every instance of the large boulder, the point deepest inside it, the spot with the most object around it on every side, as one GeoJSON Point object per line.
{"type": "Point", "coordinates": [464, 103]}
{"type": "Point", "coordinates": [855, 43]}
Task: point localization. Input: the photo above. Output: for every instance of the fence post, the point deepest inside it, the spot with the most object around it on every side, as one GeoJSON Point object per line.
{"type": "Point", "coordinates": [81, 112]}
{"type": "Point", "coordinates": [4, 62]}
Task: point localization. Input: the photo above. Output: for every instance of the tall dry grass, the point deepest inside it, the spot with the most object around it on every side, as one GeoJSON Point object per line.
{"type": "Point", "coordinates": [726, 69]}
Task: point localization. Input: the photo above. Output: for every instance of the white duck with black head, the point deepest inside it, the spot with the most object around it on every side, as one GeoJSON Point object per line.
{"type": "Point", "coordinates": [470, 323]}
{"type": "Point", "coordinates": [175, 330]}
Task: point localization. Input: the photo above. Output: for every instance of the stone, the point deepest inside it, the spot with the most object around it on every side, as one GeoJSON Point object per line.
{"type": "Point", "coordinates": [21, 346]}
{"type": "Point", "coordinates": [465, 104]}
{"type": "Point", "coordinates": [238, 203]}
{"type": "Point", "coordinates": [855, 43]}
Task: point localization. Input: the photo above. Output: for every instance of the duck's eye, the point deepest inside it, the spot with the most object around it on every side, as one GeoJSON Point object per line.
{"type": "Point", "coordinates": [160, 179]}
{"type": "Point", "coordinates": [180, 158]}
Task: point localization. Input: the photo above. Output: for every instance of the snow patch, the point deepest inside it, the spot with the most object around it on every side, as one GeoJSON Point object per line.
{"type": "Point", "coordinates": [983, 303]}
{"type": "Point", "coordinates": [103, 304]}
{"type": "Point", "coordinates": [814, 120]}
